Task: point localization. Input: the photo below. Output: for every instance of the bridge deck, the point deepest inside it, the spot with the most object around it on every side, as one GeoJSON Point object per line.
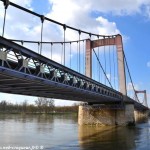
{"type": "Point", "coordinates": [25, 72]}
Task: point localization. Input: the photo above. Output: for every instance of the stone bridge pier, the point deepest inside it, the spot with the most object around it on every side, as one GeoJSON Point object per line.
{"type": "Point", "coordinates": [127, 113]}
{"type": "Point", "coordinates": [141, 114]}
{"type": "Point", "coordinates": [112, 114]}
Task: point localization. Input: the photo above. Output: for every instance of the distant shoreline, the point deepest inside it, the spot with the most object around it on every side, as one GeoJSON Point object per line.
{"type": "Point", "coordinates": [42, 106]}
{"type": "Point", "coordinates": [26, 113]}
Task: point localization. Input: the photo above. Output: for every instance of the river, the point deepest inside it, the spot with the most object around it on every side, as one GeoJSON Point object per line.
{"type": "Point", "coordinates": [61, 132]}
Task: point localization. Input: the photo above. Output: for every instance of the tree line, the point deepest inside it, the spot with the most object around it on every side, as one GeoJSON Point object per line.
{"type": "Point", "coordinates": [41, 105]}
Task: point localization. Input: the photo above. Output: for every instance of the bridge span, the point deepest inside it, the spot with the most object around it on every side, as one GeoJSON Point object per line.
{"type": "Point", "coordinates": [25, 72]}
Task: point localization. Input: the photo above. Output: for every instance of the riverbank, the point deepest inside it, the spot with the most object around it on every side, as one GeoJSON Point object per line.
{"type": "Point", "coordinates": [51, 113]}
{"type": "Point", "coordinates": [42, 106]}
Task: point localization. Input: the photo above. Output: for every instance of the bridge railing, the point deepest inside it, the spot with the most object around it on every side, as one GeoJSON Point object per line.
{"type": "Point", "coordinates": [31, 63]}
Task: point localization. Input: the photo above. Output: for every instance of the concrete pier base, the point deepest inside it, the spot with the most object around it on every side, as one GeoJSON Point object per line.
{"type": "Point", "coordinates": [90, 115]}
{"type": "Point", "coordinates": [140, 115]}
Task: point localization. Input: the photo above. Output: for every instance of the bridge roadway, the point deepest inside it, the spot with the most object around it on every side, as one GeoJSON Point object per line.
{"type": "Point", "coordinates": [25, 72]}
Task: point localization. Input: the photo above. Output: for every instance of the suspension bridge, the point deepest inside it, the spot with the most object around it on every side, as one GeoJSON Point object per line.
{"type": "Point", "coordinates": [91, 68]}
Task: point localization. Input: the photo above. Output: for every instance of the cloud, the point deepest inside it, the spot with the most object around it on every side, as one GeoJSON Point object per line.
{"type": "Point", "coordinates": [78, 15]}
{"type": "Point", "coordinates": [117, 7]}
{"type": "Point", "coordinates": [148, 64]}
{"type": "Point", "coordinates": [130, 87]}
{"type": "Point", "coordinates": [106, 27]}
{"type": "Point", "coordinates": [147, 11]}
{"type": "Point", "coordinates": [121, 7]}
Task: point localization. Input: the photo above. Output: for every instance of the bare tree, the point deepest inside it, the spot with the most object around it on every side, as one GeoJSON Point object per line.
{"type": "Point", "coordinates": [45, 104]}
{"type": "Point", "coordinates": [24, 106]}
{"type": "Point", "coordinates": [38, 102]}
{"type": "Point", "coordinates": [3, 105]}
{"type": "Point", "coordinates": [51, 104]}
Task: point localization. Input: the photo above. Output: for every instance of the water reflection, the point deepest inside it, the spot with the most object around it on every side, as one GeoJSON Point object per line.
{"type": "Point", "coordinates": [57, 132]}
{"type": "Point", "coordinates": [142, 120]}
{"type": "Point", "coordinates": [31, 130]}
{"type": "Point", "coordinates": [111, 138]}
{"type": "Point", "coordinates": [107, 138]}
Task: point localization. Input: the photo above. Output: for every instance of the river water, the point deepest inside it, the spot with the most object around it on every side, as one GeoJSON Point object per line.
{"type": "Point", "coordinates": [61, 132]}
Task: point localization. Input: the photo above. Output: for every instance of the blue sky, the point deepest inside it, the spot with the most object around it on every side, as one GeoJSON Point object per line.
{"type": "Point", "coordinates": [129, 18]}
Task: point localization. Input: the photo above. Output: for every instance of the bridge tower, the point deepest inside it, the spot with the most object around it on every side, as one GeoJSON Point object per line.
{"type": "Point", "coordinates": [107, 116]}
{"type": "Point", "coordinates": [117, 40]}
{"type": "Point", "coordinates": [141, 114]}
{"type": "Point", "coordinates": [145, 97]}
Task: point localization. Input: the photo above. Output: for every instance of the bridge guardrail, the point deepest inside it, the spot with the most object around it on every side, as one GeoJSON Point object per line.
{"type": "Point", "coordinates": [24, 60]}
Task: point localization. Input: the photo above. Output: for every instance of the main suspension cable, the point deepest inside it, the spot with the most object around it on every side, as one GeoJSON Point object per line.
{"type": "Point", "coordinates": [102, 68]}
{"type": "Point", "coordinates": [50, 20]}
{"type": "Point", "coordinates": [130, 75]}
{"type": "Point", "coordinates": [59, 42]}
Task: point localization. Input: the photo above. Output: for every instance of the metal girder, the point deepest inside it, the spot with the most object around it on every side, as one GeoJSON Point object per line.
{"type": "Point", "coordinates": [29, 73]}
{"type": "Point", "coordinates": [46, 78]}
{"type": "Point", "coordinates": [58, 88]}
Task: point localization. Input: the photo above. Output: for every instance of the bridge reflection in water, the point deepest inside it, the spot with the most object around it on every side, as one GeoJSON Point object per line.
{"type": "Point", "coordinates": [113, 138]}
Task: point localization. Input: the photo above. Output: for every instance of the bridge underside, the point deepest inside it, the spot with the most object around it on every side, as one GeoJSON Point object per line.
{"type": "Point", "coordinates": [13, 82]}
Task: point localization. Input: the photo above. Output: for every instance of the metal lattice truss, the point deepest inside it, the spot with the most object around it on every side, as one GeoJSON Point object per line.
{"type": "Point", "coordinates": [25, 72]}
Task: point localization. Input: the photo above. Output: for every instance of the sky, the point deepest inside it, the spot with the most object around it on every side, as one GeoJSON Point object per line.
{"type": "Point", "coordinates": [129, 18]}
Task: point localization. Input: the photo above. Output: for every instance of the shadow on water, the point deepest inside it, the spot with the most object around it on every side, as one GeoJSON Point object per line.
{"type": "Point", "coordinates": [112, 138]}
{"type": "Point", "coordinates": [115, 138]}
{"type": "Point", "coordinates": [142, 120]}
